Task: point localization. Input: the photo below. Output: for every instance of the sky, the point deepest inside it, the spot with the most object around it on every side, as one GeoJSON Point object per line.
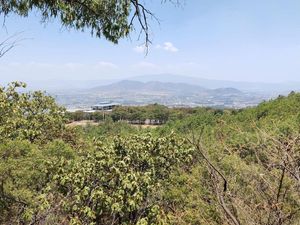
{"type": "Point", "coordinates": [239, 40]}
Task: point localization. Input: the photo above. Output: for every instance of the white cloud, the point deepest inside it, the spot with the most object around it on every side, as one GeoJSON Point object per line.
{"type": "Point", "coordinates": [167, 46]}
{"type": "Point", "coordinates": [140, 49]}
{"type": "Point", "coordinates": [107, 65]}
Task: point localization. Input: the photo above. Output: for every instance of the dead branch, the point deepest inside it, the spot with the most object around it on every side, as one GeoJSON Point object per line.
{"type": "Point", "coordinates": [10, 43]}
{"type": "Point", "coordinates": [216, 172]}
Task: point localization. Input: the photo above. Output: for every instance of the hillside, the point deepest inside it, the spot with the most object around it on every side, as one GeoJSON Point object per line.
{"type": "Point", "coordinates": [203, 166]}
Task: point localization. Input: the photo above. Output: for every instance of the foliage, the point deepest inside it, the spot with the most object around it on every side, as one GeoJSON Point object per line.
{"type": "Point", "coordinates": [81, 115]}
{"type": "Point", "coordinates": [258, 156]}
{"type": "Point", "coordinates": [203, 166]}
{"type": "Point", "coordinates": [110, 19]}
{"type": "Point", "coordinates": [30, 116]}
{"type": "Point", "coordinates": [136, 114]}
{"type": "Point", "coordinates": [119, 183]}
{"type": "Point", "coordinates": [109, 129]}
{"type": "Point", "coordinates": [25, 169]}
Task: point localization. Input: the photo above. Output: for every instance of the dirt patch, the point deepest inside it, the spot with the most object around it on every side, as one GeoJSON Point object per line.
{"type": "Point", "coordinates": [145, 126]}
{"type": "Point", "coordinates": [82, 123]}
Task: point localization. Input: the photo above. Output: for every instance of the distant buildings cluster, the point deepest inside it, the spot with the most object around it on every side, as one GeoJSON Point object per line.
{"type": "Point", "coordinates": [105, 106]}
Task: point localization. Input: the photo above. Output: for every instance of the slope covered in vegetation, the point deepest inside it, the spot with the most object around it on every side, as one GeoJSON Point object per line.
{"type": "Point", "coordinates": [203, 166]}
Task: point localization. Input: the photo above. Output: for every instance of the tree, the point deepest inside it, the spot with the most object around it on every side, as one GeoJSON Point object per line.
{"type": "Point", "coordinates": [117, 183]}
{"type": "Point", "coordinates": [29, 116]}
{"type": "Point", "coordinates": [25, 170]}
{"type": "Point", "coordinates": [112, 19]}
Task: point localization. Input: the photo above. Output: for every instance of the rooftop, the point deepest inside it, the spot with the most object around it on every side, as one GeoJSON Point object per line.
{"type": "Point", "coordinates": [103, 104]}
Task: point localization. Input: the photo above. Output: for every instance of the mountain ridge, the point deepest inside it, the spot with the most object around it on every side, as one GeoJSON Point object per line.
{"type": "Point", "coordinates": [271, 89]}
{"type": "Point", "coordinates": [128, 92]}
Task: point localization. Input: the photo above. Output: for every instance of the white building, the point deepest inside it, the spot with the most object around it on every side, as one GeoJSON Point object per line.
{"type": "Point", "coordinates": [105, 106]}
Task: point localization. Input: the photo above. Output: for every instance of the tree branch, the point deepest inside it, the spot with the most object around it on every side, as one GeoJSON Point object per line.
{"type": "Point", "coordinates": [9, 43]}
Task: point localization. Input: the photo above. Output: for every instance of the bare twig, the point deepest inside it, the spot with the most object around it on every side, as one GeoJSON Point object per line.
{"type": "Point", "coordinates": [215, 171]}
{"type": "Point", "coordinates": [9, 43]}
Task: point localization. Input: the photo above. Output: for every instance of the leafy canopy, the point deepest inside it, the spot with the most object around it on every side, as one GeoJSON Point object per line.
{"type": "Point", "coordinates": [112, 19]}
{"type": "Point", "coordinates": [29, 116]}
{"type": "Point", "coordinates": [119, 182]}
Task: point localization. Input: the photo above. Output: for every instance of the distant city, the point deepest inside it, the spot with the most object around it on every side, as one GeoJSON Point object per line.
{"type": "Point", "coordinates": [166, 89]}
{"type": "Point", "coordinates": [169, 94]}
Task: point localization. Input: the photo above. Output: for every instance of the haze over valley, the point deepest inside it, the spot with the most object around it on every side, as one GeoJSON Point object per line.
{"type": "Point", "coordinates": [129, 92]}
{"type": "Point", "coordinates": [167, 89]}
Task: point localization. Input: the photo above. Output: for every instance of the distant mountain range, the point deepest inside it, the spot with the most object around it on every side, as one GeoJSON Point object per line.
{"type": "Point", "coordinates": [271, 89]}
{"type": "Point", "coordinates": [130, 92]}
{"type": "Point", "coordinates": [168, 89]}
{"type": "Point", "coordinates": [267, 88]}
{"type": "Point", "coordinates": [156, 87]}
{"type": "Point", "coordinates": [151, 86]}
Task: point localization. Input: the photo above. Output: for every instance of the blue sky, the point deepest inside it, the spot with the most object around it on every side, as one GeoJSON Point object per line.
{"type": "Point", "coordinates": [257, 40]}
